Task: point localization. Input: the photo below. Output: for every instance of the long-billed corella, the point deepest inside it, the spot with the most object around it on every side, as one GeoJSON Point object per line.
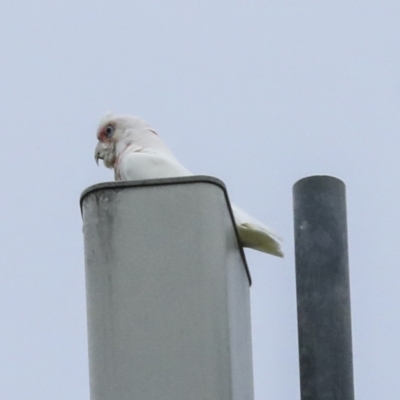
{"type": "Point", "coordinates": [134, 150]}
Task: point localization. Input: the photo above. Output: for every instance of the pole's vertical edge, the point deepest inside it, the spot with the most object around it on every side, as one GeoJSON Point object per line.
{"type": "Point", "coordinates": [323, 289]}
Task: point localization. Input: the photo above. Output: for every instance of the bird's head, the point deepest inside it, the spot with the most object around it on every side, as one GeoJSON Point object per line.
{"type": "Point", "coordinates": [112, 129]}
{"type": "Point", "coordinates": [116, 132]}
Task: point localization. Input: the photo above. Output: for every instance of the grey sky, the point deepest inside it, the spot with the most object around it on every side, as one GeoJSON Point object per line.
{"type": "Point", "coordinates": [258, 94]}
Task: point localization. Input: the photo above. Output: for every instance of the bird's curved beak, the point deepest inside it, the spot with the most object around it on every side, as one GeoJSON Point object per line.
{"type": "Point", "coordinates": [105, 152]}
{"type": "Point", "coordinates": [99, 152]}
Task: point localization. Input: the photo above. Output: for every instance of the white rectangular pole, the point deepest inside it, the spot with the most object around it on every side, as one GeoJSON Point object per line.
{"type": "Point", "coordinates": [167, 292]}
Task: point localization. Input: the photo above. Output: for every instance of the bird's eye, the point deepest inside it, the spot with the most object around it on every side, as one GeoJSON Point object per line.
{"type": "Point", "coordinates": [109, 130]}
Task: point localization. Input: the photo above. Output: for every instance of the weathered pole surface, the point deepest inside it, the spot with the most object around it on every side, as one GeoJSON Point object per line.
{"type": "Point", "coordinates": [323, 292]}
{"type": "Point", "coordinates": [167, 292]}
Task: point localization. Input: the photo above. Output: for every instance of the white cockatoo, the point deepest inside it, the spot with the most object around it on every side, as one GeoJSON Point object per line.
{"type": "Point", "coordinates": [134, 150]}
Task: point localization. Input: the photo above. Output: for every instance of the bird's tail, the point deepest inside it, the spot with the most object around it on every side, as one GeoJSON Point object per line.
{"type": "Point", "coordinates": [257, 238]}
{"type": "Point", "coordinates": [255, 235]}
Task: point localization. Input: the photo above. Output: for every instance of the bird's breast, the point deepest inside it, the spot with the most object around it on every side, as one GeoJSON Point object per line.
{"type": "Point", "coordinates": [142, 165]}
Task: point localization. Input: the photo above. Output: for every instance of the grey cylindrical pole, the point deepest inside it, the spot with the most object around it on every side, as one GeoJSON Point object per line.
{"type": "Point", "coordinates": [167, 292]}
{"type": "Point", "coordinates": [323, 293]}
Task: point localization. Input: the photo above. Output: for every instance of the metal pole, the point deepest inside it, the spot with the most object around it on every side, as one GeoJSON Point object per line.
{"type": "Point", "coordinates": [323, 293]}
{"type": "Point", "coordinates": [167, 292]}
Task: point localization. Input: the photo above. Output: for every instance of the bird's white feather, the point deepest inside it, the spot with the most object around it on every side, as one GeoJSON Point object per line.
{"type": "Point", "coordinates": [145, 165]}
